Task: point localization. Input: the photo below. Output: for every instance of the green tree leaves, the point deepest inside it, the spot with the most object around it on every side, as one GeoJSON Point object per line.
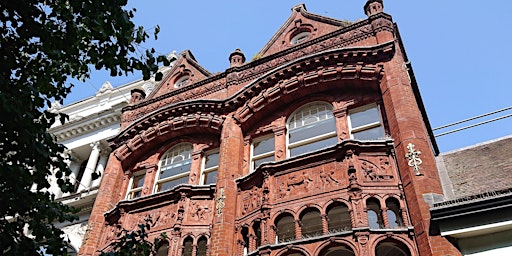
{"type": "Point", "coordinates": [42, 45]}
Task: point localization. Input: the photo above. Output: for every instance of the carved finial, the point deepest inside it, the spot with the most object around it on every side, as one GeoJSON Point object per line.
{"type": "Point", "coordinates": [236, 58]}
{"type": "Point", "coordinates": [373, 7]}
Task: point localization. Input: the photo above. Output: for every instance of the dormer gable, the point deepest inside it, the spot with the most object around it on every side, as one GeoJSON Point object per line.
{"type": "Point", "coordinates": [299, 28]}
{"type": "Point", "coordinates": [185, 72]}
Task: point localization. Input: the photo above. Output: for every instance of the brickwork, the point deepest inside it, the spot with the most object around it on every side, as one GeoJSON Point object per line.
{"type": "Point", "coordinates": [363, 195]}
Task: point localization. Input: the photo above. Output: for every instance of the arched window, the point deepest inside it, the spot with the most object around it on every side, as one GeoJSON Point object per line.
{"type": "Point", "coordinates": [285, 225]}
{"type": "Point", "coordinates": [365, 123]}
{"type": "Point", "coordinates": [337, 250]}
{"type": "Point", "coordinates": [201, 246]}
{"type": "Point", "coordinates": [256, 228]}
{"type": "Point", "coordinates": [375, 220]}
{"type": "Point", "coordinates": [339, 218]}
{"type": "Point", "coordinates": [181, 82]}
{"type": "Point", "coordinates": [311, 223]}
{"type": "Point", "coordinates": [394, 213]}
{"type": "Point", "coordinates": [300, 37]}
{"type": "Point", "coordinates": [310, 128]}
{"type": "Point", "coordinates": [163, 250]}
{"type": "Point", "coordinates": [187, 246]}
{"type": "Point", "coordinates": [294, 253]}
{"type": "Point", "coordinates": [391, 248]}
{"type": "Point", "coordinates": [174, 167]}
{"type": "Point", "coordinates": [245, 237]}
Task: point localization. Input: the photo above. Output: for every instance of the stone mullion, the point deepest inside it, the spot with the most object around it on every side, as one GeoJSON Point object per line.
{"type": "Point", "coordinates": [252, 242]}
{"type": "Point", "coordinates": [342, 129]}
{"type": "Point", "coordinates": [298, 230]}
{"type": "Point", "coordinates": [195, 167]}
{"type": "Point", "coordinates": [325, 224]}
{"type": "Point", "coordinates": [385, 220]}
{"type": "Point", "coordinates": [280, 143]}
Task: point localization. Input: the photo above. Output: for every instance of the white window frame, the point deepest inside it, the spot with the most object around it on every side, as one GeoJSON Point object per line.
{"type": "Point", "coordinates": [311, 140]}
{"type": "Point", "coordinates": [255, 158]}
{"type": "Point", "coordinates": [131, 191]}
{"type": "Point", "coordinates": [174, 177]}
{"type": "Point", "coordinates": [205, 171]}
{"type": "Point", "coordinates": [365, 127]}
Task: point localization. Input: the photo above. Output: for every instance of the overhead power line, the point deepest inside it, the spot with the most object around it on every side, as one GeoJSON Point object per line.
{"type": "Point", "coordinates": [471, 119]}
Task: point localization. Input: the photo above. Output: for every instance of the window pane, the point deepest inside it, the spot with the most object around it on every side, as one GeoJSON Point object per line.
{"type": "Point", "coordinates": [163, 250]}
{"type": "Point", "coordinates": [392, 219]}
{"type": "Point", "coordinates": [257, 233]}
{"type": "Point", "coordinates": [187, 247]}
{"type": "Point", "coordinates": [210, 177]}
{"type": "Point", "coordinates": [339, 219]}
{"type": "Point", "coordinates": [285, 229]}
{"type": "Point", "coordinates": [174, 169]}
{"type": "Point", "coordinates": [311, 224]}
{"type": "Point", "coordinates": [373, 219]}
{"type": "Point", "coordinates": [313, 130]}
{"type": "Point", "coordinates": [313, 146]}
{"type": "Point", "coordinates": [364, 117]}
{"type": "Point", "coordinates": [370, 134]}
{"type": "Point", "coordinates": [138, 181]}
{"type": "Point", "coordinates": [263, 146]}
{"type": "Point", "coordinates": [201, 247]}
{"type": "Point", "coordinates": [263, 160]}
{"type": "Point", "coordinates": [212, 160]}
{"type": "Point", "coordinates": [172, 183]}
{"type": "Point", "coordinates": [135, 194]}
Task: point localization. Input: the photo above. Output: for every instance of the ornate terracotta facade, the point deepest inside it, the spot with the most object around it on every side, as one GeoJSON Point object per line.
{"type": "Point", "coordinates": [301, 151]}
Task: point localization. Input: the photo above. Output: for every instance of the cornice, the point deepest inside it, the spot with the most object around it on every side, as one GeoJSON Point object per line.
{"type": "Point", "coordinates": [87, 124]}
{"type": "Point", "coordinates": [159, 200]}
{"type": "Point", "coordinates": [329, 154]}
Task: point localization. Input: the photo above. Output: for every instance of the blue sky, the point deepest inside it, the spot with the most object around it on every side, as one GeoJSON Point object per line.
{"type": "Point", "coordinates": [460, 50]}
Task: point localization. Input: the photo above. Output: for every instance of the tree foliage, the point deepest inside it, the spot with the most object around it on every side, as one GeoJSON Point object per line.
{"type": "Point", "coordinates": [136, 242]}
{"type": "Point", "coordinates": [42, 45]}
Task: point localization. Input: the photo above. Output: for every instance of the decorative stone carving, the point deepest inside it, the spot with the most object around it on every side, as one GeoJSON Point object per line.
{"type": "Point", "coordinates": [327, 179]}
{"type": "Point", "coordinates": [221, 197]}
{"type": "Point", "coordinates": [414, 158]}
{"type": "Point", "coordinates": [372, 172]}
{"type": "Point", "coordinates": [199, 210]}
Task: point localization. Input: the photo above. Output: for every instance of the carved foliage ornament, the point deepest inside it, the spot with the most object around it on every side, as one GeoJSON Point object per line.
{"type": "Point", "coordinates": [414, 158]}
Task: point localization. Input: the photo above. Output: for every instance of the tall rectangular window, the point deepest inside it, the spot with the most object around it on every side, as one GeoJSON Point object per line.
{"type": "Point", "coordinates": [365, 123]}
{"type": "Point", "coordinates": [210, 167]}
{"type": "Point", "coordinates": [136, 185]}
{"type": "Point", "coordinates": [262, 150]}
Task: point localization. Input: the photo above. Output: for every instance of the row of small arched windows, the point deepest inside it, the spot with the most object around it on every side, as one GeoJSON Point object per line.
{"type": "Point", "coordinates": [188, 248]}
{"type": "Point", "coordinates": [387, 247]}
{"type": "Point", "coordinates": [312, 223]}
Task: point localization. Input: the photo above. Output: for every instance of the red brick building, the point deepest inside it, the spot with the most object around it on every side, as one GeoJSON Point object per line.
{"type": "Point", "coordinates": [318, 146]}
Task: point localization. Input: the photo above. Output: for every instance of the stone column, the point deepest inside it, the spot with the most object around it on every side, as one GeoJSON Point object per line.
{"type": "Point", "coordinates": [104, 153]}
{"type": "Point", "coordinates": [90, 167]}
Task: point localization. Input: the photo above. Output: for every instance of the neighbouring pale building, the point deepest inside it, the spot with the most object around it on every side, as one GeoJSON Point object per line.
{"type": "Point", "coordinates": [91, 123]}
